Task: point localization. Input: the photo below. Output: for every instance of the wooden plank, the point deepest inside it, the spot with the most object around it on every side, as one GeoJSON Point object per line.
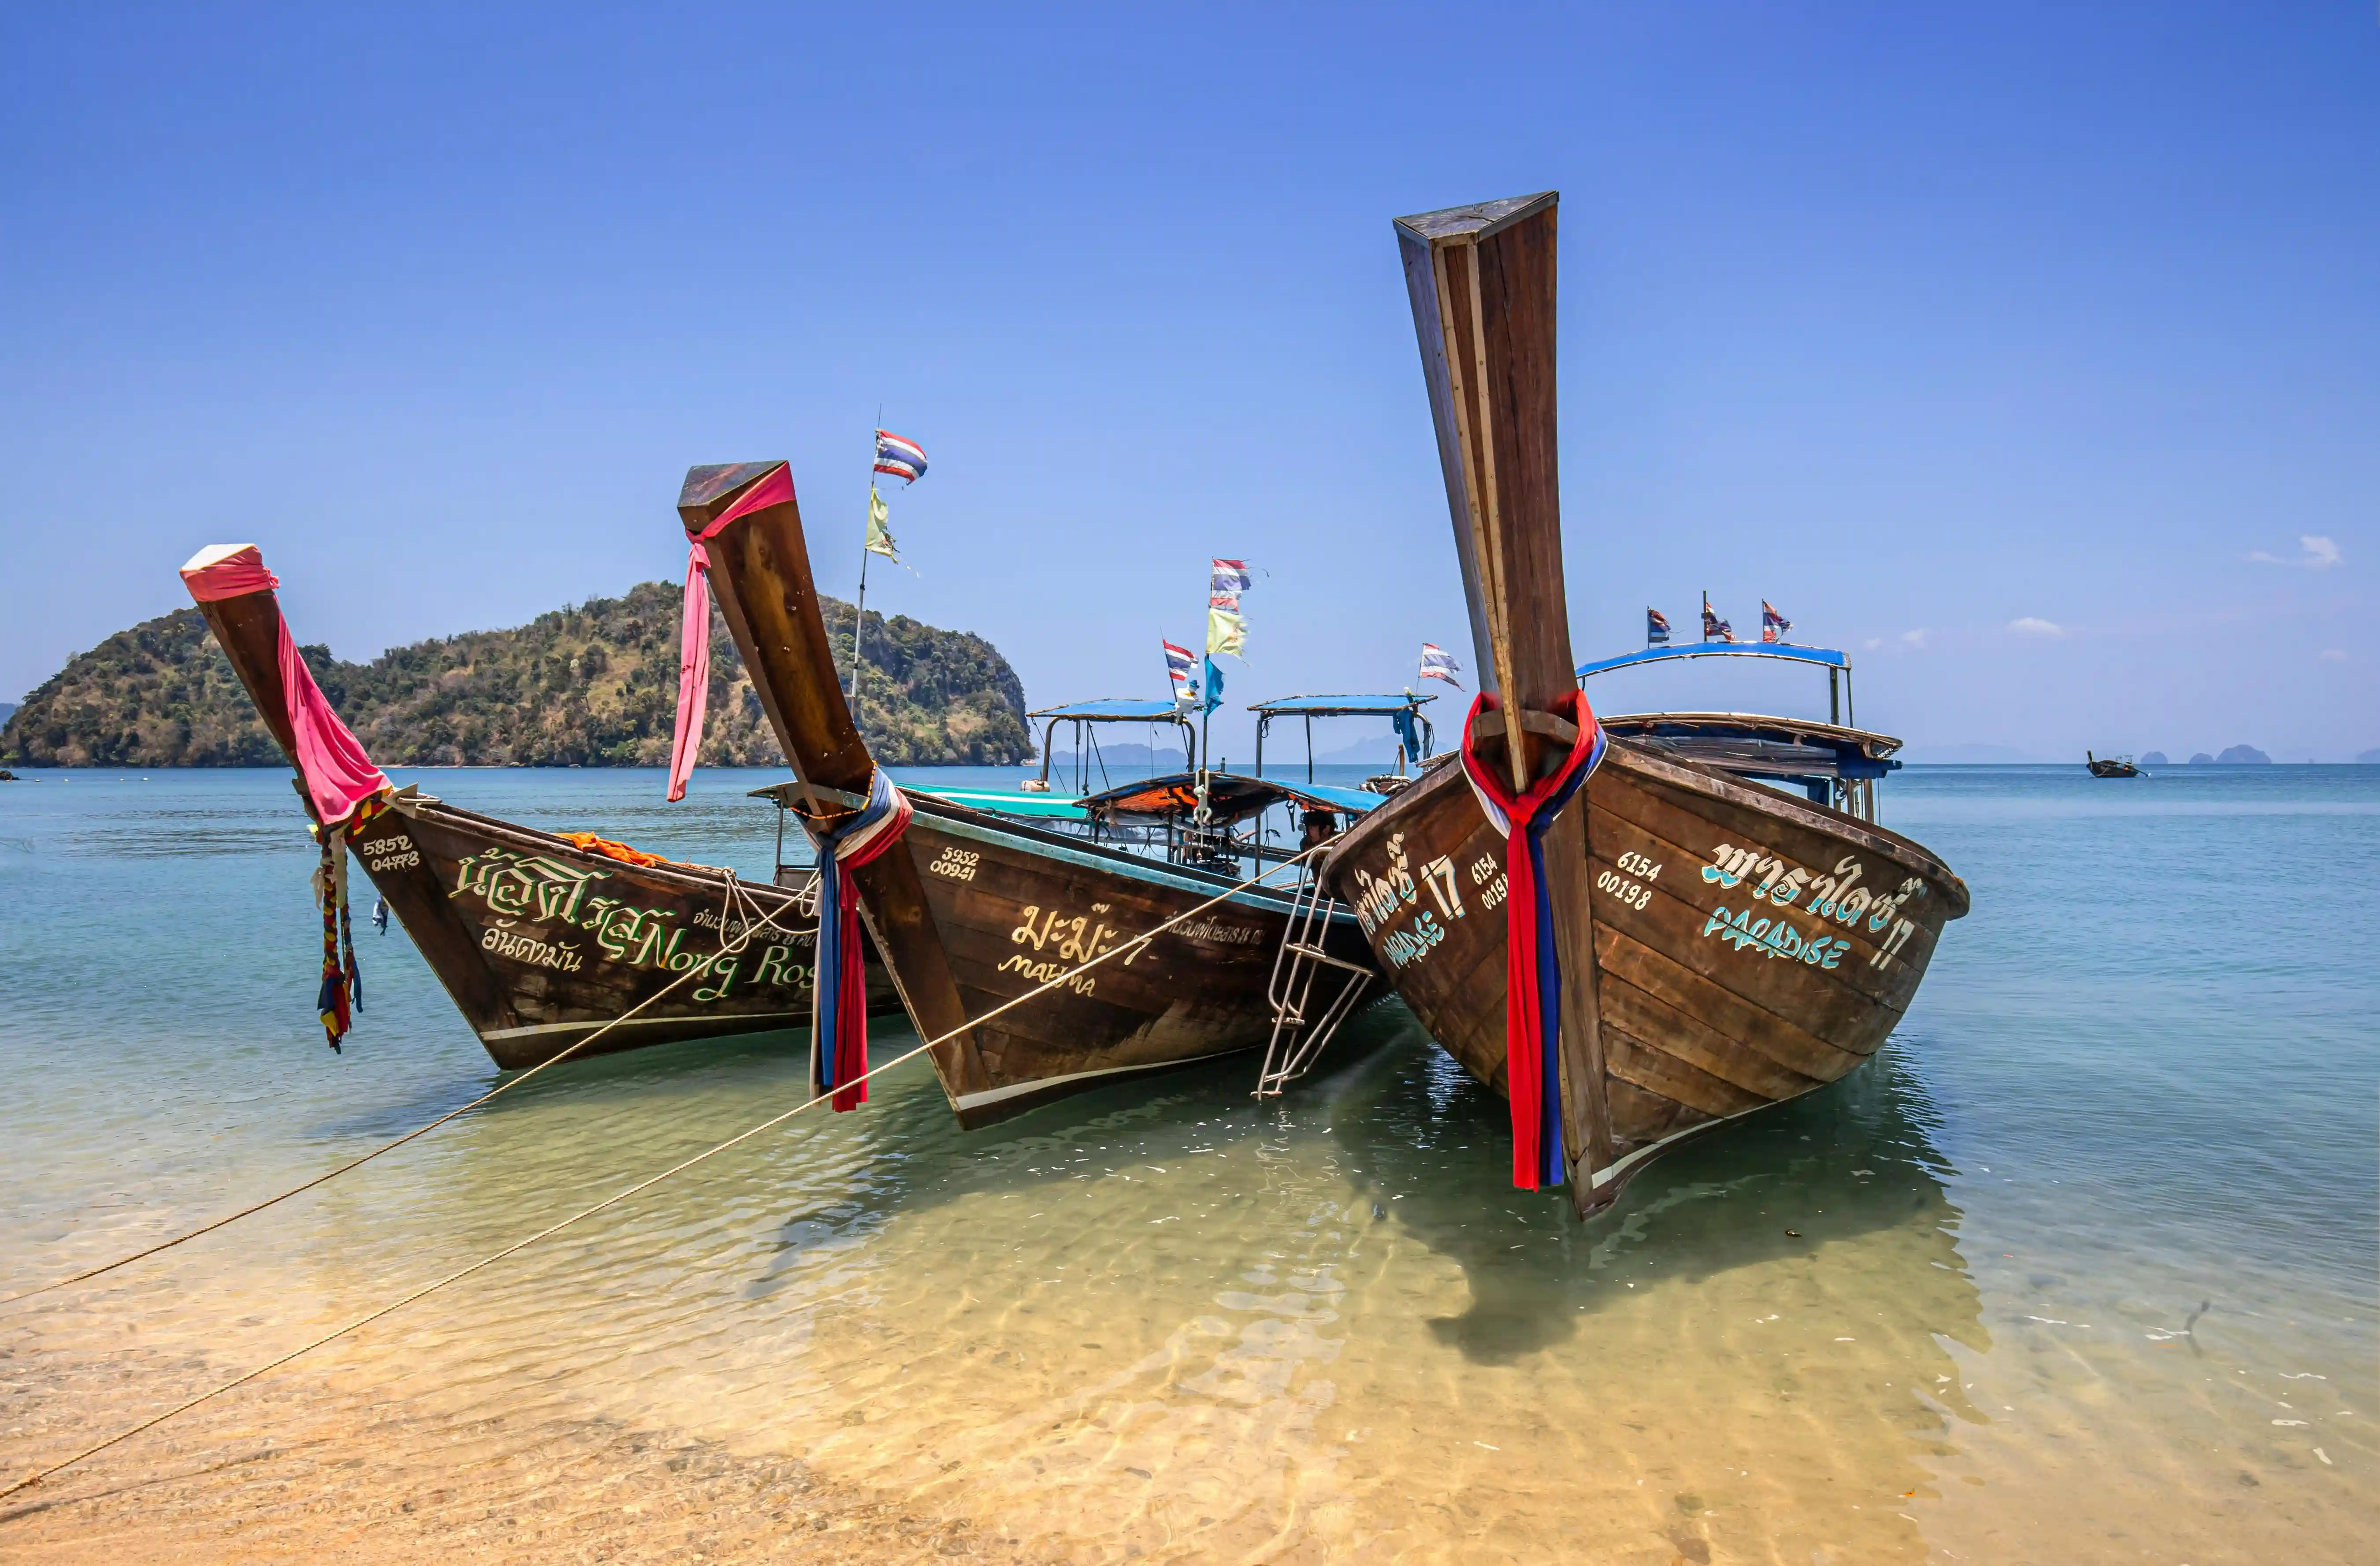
{"type": "Point", "coordinates": [1485, 311]}
{"type": "Point", "coordinates": [759, 571]}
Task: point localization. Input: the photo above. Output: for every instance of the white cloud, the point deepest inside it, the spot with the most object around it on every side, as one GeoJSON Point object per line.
{"type": "Point", "coordinates": [2333, 655]}
{"type": "Point", "coordinates": [1873, 643]}
{"type": "Point", "coordinates": [1917, 637]}
{"type": "Point", "coordinates": [2032, 625]}
{"type": "Point", "coordinates": [2322, 553]}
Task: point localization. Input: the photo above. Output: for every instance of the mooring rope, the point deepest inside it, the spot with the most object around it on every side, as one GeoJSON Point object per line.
{"type": "Point", "coordinates": [1121, 949]}
{"type": "Point", "coordinates": [733, 901]}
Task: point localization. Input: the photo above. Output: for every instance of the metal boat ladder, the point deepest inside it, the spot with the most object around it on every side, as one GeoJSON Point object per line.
{"type": "Point", "coordinates": [1298, 1033]}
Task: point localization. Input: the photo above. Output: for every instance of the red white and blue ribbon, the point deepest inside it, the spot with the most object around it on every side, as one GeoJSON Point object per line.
{"type": "Point", "coordinates": [839, 1025]}
{"type": "Point", "coordinates": [1533, 976]}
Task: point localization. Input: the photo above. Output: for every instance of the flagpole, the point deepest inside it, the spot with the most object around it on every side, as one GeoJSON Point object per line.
{"type": "Point", "coordinates": [859, 609]}
{"type": "Point", "coordinates": [858, 627]}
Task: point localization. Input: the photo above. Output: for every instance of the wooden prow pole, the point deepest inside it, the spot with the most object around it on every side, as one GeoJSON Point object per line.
{"type": "Point", "coordinates": [760, 572]}
{"type": "Point", "coordinates": [1482, 284]}
{"type": "Point", "coordinates": [248, 628]}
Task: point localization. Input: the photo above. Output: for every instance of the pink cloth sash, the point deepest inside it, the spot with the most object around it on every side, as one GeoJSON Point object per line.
{"type": "Point", "coordinates": [694, 629]}
{"type": "Point", "coordinates": [338, 775]}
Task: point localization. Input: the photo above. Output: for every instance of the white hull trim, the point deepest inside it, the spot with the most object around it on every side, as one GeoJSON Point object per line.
{"type": "Point", "coordinates": [1040, 1084]}
{"type": "Point", "coordinates": [757, 1021]}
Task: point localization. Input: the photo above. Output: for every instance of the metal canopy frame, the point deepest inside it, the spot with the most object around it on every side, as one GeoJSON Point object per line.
{"type": "Point", "coordinates": [1109, 709]}
{"type": "Point", "coordinates": [1838, 666]}
{"type": "Point", "coordinates": [1312, 707]}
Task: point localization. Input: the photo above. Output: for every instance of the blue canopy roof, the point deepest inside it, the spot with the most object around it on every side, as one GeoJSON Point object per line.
{"type": "Point", "coordinates": [1785, 650]}
{"type": "Point", "coordinates": [1339, 706]}
{"type": "Point", "coordinates": [1113, 709]}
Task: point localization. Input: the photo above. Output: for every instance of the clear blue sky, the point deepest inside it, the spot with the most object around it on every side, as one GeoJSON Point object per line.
{"type": "Point", "coordinates": [1991, 343]}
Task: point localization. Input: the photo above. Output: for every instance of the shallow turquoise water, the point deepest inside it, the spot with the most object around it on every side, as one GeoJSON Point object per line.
{"type": "Point", "coordinates": [2085, 1266]}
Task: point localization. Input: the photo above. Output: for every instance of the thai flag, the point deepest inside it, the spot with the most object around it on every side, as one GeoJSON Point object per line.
{"type": "Point", "coordinates": [903, 459]}
{"type": "Point", "coordinates": [1773, 625]}
{"type": "Point", "coordinates": [1228, 581]}
{"type": "Point", "coordinates": [1437, 663]}
{"type": "Point", "coordinates": [1179, 662]}
{"type": "Point", "coordinates": [1715, 628]}
{"type": "Point", "coordinates": [1656, 628]}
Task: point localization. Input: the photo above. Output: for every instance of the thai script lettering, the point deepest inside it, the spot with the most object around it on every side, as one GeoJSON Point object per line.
{"type": "Point", "coordinates": [1377, 901]}
{"type": "Point", "coordinates": [511, 944]}
{"type": "Point", "coordinates": [1837, 895]}
{"type": "Point", "coordinates": [1220, 934]}
{"type": "Point", "coordinates": [524, 885]}
{"type": "Point", "coordinates": [1078, 939]}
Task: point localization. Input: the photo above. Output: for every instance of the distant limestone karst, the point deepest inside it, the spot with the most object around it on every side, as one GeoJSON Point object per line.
{"type": "Point", "coordinates": [591, 685]}
{"type": "Point", "coordinates": [2155, 759]}
{"type": "Point", "coordinates": [2237, 756]}
{"type": "Point", "coordinates": [2369, 759]}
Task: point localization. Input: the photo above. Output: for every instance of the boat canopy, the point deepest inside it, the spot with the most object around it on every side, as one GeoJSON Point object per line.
{"type": "Point", "coordinates": [1785, 651]}
{"type": "Point", "coordinates": [1231, 796]}
{"type": "Point", "coordinates": [1045, 806]}
{"type": "Point", "coordinates": [1402, 711]}
{"type": "Point", "coordinates": [1110, 710]}
{"type": "Point", "coordinates": [1341, 706]}
{"type": "Point", "coordinates": [1106, 709]}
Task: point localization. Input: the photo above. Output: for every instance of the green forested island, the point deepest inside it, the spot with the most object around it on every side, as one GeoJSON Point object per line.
{"type": "Point", "coordinates": [591, 685]}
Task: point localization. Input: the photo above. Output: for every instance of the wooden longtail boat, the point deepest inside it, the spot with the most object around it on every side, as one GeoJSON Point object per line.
{"type": "Point", "coordinates": [1723, 946]}
{"type": "Point", "coordinates": [972, 908]}
{"type": "Point", "coordinates": [540, 941]}
{"type": "Point", "coordinates": [2111, 766]}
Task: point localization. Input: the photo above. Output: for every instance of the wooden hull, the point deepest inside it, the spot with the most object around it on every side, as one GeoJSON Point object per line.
{"type": "Point", "coordinates": [1750, 947]}
{"type": "Point", "coordinates": [539, 944]}
{"type": "Point", "coordinates": [972, 910]}
{"type": "Point", "coordinates": [1015, 905]}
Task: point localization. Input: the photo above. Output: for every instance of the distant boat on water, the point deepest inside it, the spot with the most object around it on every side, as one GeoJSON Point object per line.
{"type": "Point", "coordinates": [2112, 766]}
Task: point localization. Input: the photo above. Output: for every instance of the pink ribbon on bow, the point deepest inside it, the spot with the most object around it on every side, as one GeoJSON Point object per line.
{"type": "Point", "coordinates": [694, 632]}
{"type": "Point", "coordinates": [339, 776]}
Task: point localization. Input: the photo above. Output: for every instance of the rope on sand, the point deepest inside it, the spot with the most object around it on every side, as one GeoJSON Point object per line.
{"type": "Point", "coordinates": [1130, 946]}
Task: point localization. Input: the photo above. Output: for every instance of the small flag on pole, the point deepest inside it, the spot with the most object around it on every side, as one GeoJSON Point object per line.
{"type": "Point", "coordinates": [879, 537]}
{"type": "Point", "coordinates": [1773, 625]}
{"type": "Point", "coordinates": [903, 459]}
{"type": "Point", "coordinates": [1437, 663]}
{"type": "Point", "coordinates": [1214, 686]}
{"type": "Point", "coordinates": [1179, 662]}
{"type": "Point", "coordinates": [1226, 632]}
{"type": "Point", "coordinates": [1656, 628]}
{"type": "Point", "coordinates": [1715, 628]}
